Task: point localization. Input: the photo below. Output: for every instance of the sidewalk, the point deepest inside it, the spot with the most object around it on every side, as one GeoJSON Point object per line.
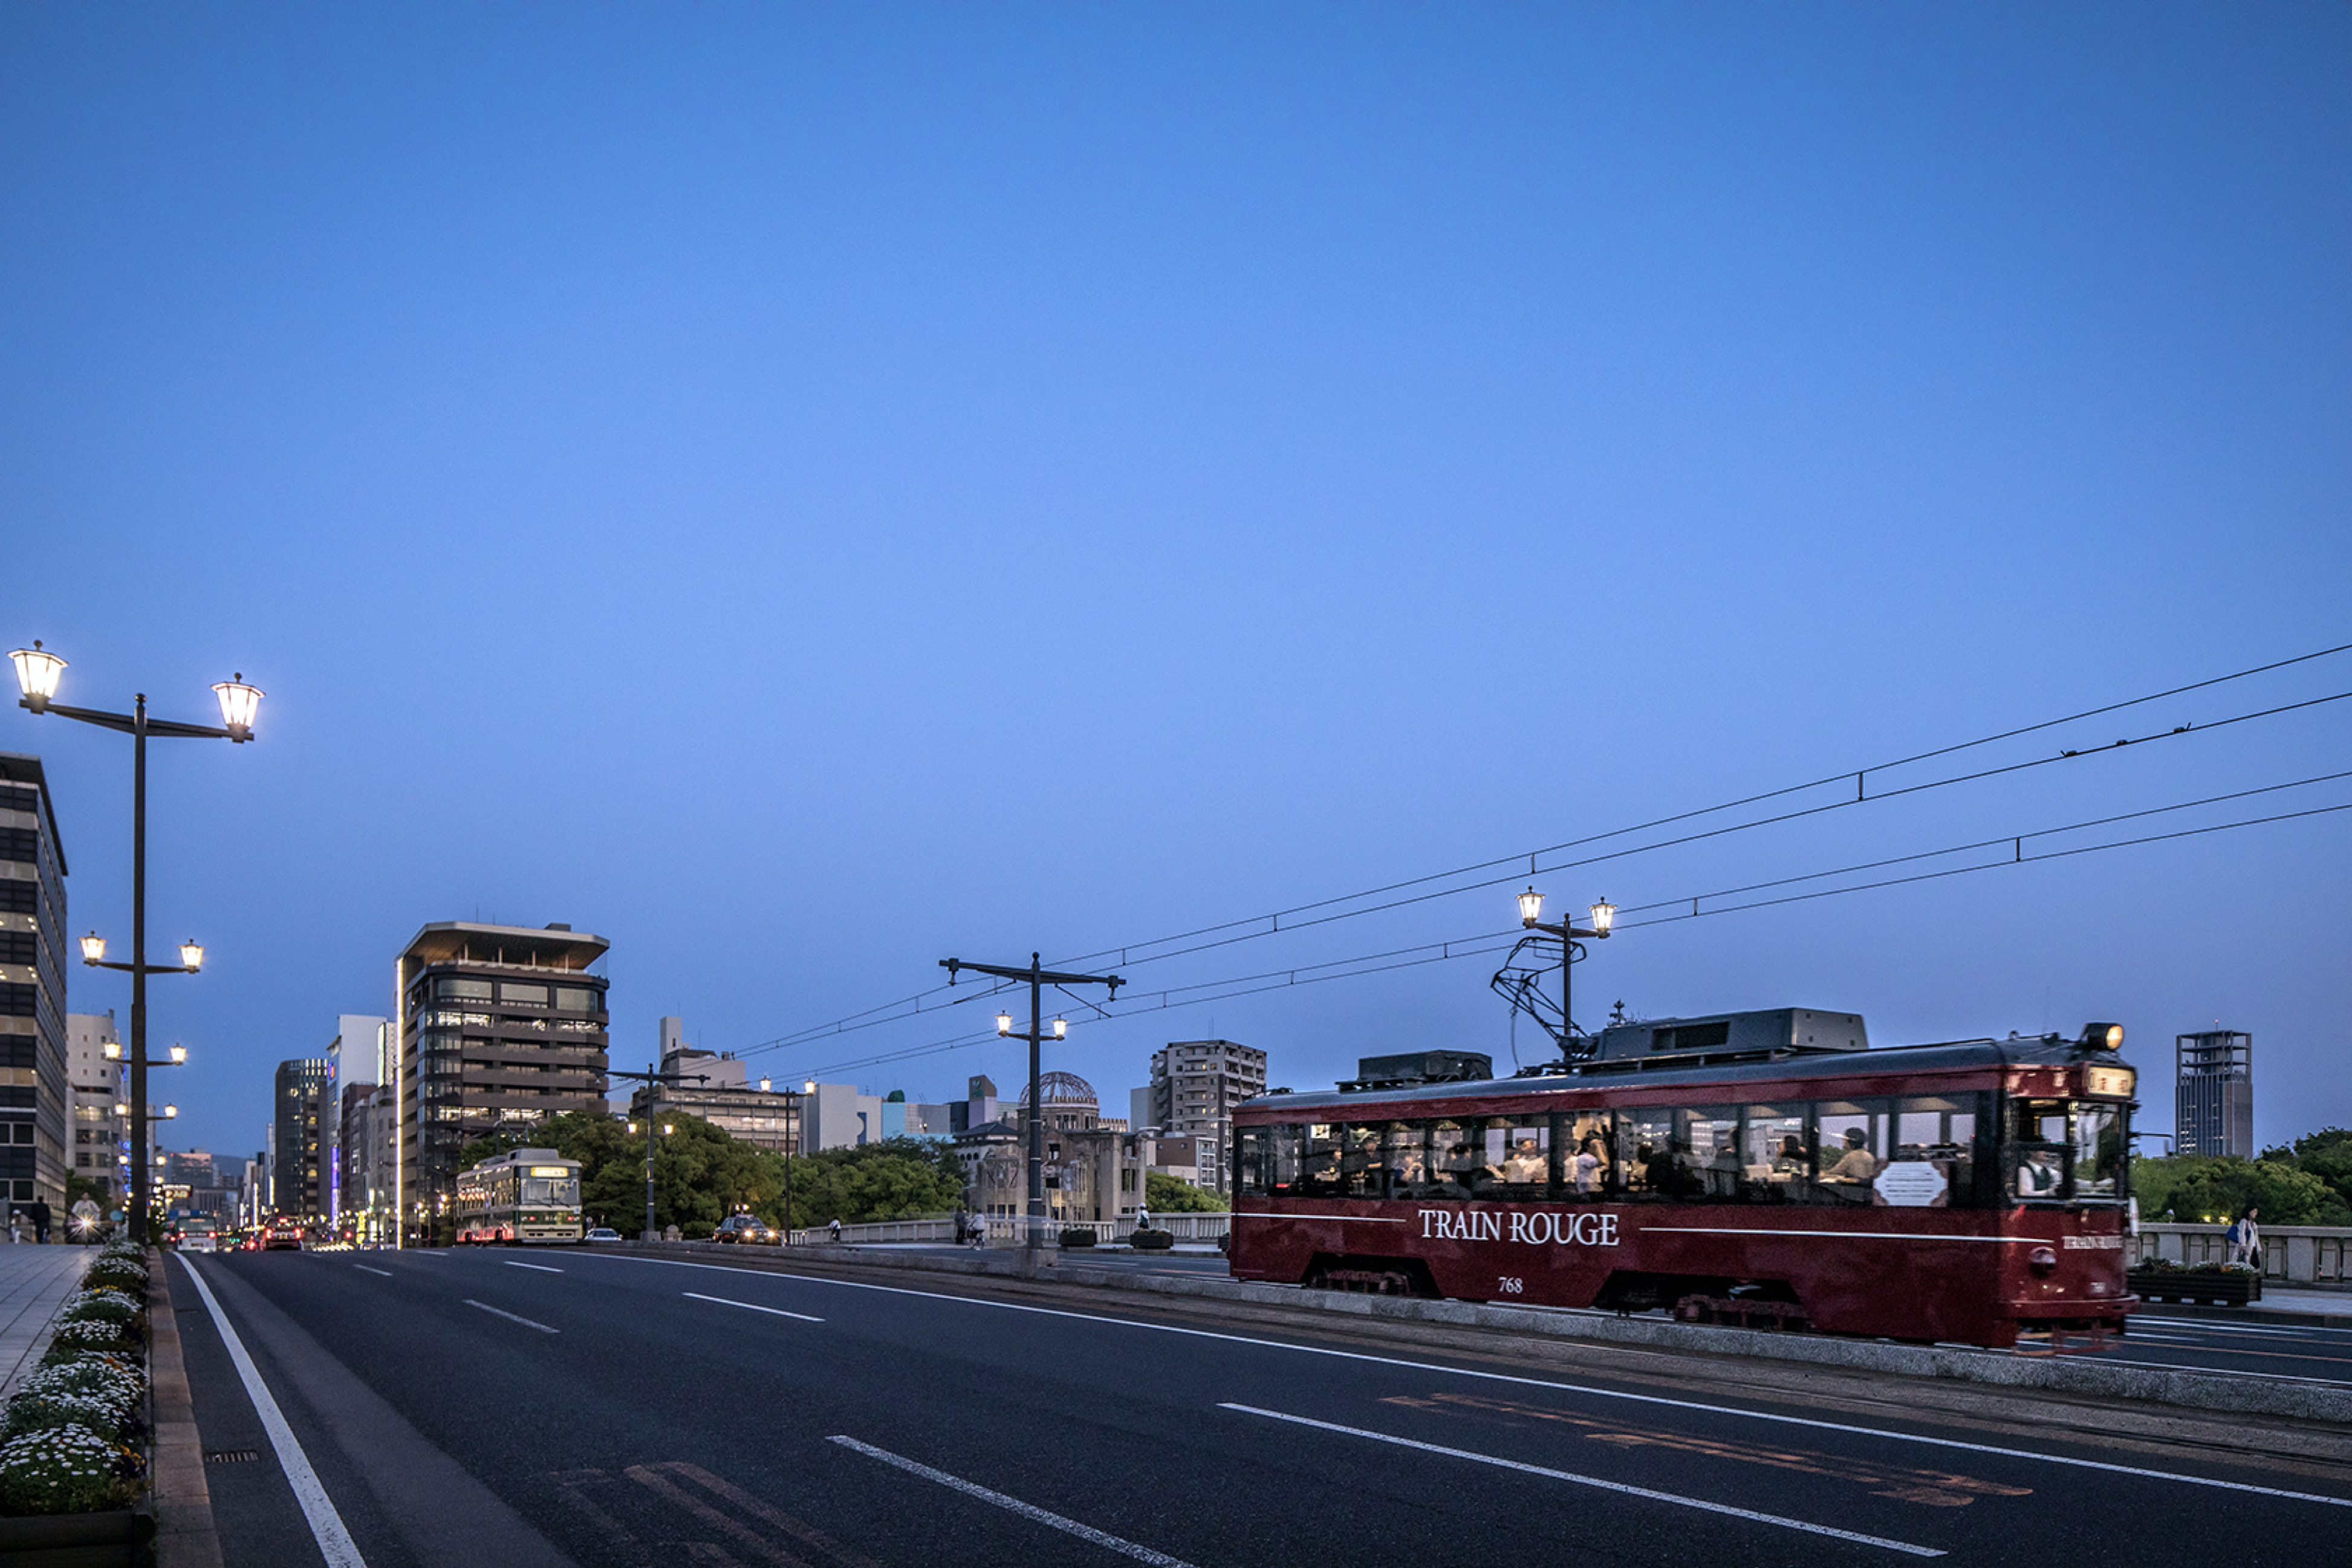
{"type": "Point", "coordinates": [2280, 1305]}
{"type": "Point", "coordinates": [34, 1283]}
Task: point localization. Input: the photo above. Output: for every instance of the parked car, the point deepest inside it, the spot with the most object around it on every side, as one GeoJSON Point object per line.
{"type": "Point", "coordinates": [746, 1227]}
{"type": "Point", "coordinates": [602, 1233]}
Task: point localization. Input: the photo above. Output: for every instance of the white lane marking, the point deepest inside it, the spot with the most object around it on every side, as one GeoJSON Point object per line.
{"type": "Point", "coordinates": [752, 1307]}
{"type": "Point", "coordinates": [335, 1543]}
{"type": "Point", "coordinates": [1574, 1480]}
{"type": "Point", "coordinates": [365, 1270]}
{"type": "Point", "coordinates": [2192, 1325]}
{"type": "Point", "coordinates": [1588, 1389]}
{"type": "Point", "coordinates": [510, 1317]}
{"type": "Point", "coordinates": [541, 1268]}
{"type": "Point", "coordinates": [1844, 1235]}
{"type": "Point", "coordinates": [1014, 1505]}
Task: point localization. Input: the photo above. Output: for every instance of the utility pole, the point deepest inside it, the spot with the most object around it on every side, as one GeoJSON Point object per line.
{"type": "Point", "coordinates": [1039, 977]}
{"type": "Point", "coordinates": [650, 1077]}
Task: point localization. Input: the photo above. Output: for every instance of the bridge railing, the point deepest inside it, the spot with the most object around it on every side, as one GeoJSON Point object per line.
{"type": "Point", "coordinates": [2292, 1254]}
{"type": "Point", "coordinates": [1006, 1229]}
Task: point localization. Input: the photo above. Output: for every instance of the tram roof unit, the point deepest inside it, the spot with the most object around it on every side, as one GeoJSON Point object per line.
{"type": "Point", "coordinates": [1734, 1061]}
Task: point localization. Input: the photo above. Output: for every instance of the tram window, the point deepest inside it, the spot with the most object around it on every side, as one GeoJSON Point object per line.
{"type": "Point", "coordinates": [1253, 1160]}
{"type": "Point", "coordinates": [1940, 1130]}
{"type": "Point", "coordinates": [1363, 1163]}
{"type": "Point", "coordinates": [1457, 1159]}
{"type": "Point", "coordinates": [1405, 1147]}
{"type": "Point", "coordinates": [1518, 1159]}
{"type": "Point", "coordinates": [1777, 1165]}
{"type": "Point", "coordinates": [2039, 1151]}
{"type": "Point", "coordinates": [1712, 1161]}
{"type": "Point", "coordinates": [1663, 1162]}
{"type": "Point", "coordinates": [1852, 1137]}
{"type": "Point", "coordinates": [1581, 1149]}
{"type": "Point", "coordinates": [2098, 1151]}
{"type": "Point", "coordinates": [1319, 1174]}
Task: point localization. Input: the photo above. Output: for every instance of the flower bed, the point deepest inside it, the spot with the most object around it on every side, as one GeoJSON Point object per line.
{"type": "Point", "coordinates": [72, 1437]}
{"type": "Point", "coordinates": [2207, 1284]}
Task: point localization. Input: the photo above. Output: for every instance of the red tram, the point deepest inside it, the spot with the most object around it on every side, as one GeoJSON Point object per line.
{"type": "Point", "coordinates": [1761, 1167]}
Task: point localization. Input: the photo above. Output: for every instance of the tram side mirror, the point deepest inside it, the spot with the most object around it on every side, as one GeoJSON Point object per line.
{"type": "Point", "coordinates": [2102, 1037]}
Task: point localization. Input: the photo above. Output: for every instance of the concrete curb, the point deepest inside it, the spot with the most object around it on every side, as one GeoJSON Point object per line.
{"type": "Point", "coordinates": [2063, 1375]}
{"type": "Point", "coordinates": [184, 1535]}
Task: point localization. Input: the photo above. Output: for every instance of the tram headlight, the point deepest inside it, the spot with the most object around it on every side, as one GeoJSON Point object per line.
{"type": "Point", "coordinates": [2103, 1037]}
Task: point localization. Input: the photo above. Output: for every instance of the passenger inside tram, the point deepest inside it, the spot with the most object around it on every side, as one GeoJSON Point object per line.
{"type": "Point", "coordinates": [1592, 1166]}
{"type": "Point", "coordinates": [1857, 1165]}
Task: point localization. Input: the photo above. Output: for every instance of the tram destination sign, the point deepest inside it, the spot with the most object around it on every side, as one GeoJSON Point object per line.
{"type": "Point", "coordinates": [1537, 1228]}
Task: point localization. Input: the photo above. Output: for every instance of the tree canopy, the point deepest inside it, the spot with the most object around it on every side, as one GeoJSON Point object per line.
{"type": "Point", "coordinates": [701, 1174]}
{"type": "Point", "coordinates": [2195, 1187]}
{"type": "Point", "coordinates": [1165, 1194]}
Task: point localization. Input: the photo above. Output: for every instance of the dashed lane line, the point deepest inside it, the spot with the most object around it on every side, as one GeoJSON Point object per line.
{"type": "Point", "coordinates": [510, 1317]}
{"type": "Point", "coordinates": [365, 1270]}
{"type": "Point", "coordinates": [1570, 1477]}
{"type": "Point", "coordinates": [335, 1543]}
{"type": "Point", "coordinates": [750, 1307]}
{"type": "Point", "coordinates": [540, 1268]}
{"type": "Point", "coordinates": [1028, 1510]}
{"type": "Point", "coordinates": [1815, 1423]}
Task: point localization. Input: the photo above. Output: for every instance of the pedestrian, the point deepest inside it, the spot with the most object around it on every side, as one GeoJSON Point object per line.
{"type": "Point", "coordinates": [833, 1230]}
{"type": "Point", "coordinates": [1143, 1216]}
{"type": "Point", "coordinates": [2246, 1239]}
{"type": "Point", "coordinates": [41, 1220]}
{"type": "Point", "coordinates": [963, 1225]}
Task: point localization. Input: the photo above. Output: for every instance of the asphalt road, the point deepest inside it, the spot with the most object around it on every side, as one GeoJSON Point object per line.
{"type": "Point", "coordinates": [529, 1407]}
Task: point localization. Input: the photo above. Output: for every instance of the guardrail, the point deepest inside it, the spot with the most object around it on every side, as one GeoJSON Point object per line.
{"type": "Point", "coordinates": [2292, 1254]}
{"type": "Point", "coordinates": [1005, 1229]}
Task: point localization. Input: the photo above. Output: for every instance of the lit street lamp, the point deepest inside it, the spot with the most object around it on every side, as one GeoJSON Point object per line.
{"type": "Point", "coordinates": [38, 673]}
{"type": "Point", "coordinates": [1519, 984]}
{"type": "Point", "coordinates": [1038, 977]}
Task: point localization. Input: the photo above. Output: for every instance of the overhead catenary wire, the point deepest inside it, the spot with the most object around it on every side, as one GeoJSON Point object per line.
{"type": "Point", "coordinates": [937, 997]}
{"type": "Point", "coordinates": [1483, 943]}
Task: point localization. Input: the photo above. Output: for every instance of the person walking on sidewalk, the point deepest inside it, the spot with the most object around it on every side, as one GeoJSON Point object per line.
{"type": "Point", "coordinates": [2246, 1239]}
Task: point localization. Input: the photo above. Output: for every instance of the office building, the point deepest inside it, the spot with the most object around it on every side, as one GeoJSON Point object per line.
{"type": "Point", "coordinates": [724, 1097]}
{"type": "Point", "coordinates": [2214, 1098]}
{"type": "Point", "coordinates": [36, 1085]}
{"type": "Point", "coordinates": [1195, 1084]}
{"type": "Point", "coordinates": [297, 1111]}
{"type": "Point", "coordinates": [502, 1027]}
{"type": "Point", "coordinates": [356, 1055]}
{"type": "Point", "coordinates": [101, 1140]}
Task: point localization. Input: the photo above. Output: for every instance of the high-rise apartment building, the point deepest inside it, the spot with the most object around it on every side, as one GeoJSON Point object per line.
{"type": "Point", "coordinates": [2213, 1101]}
{"type": "Point", "coordinates": [98, 1134]}
{"type": "Point", "coordinates": [1195, 1084]}
{"type": "Point", "coordinates": [502, 1027]}
{"type": "Point", "coordinates": [35, 1087]}
{"type": "Point", "coordinates": [298, 1110]}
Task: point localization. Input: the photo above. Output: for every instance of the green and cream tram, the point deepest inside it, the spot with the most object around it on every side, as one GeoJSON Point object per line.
{"type": "Point", "coordinates": [528, 1195]}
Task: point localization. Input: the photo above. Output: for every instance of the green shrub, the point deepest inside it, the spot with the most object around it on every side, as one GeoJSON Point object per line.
{"type": "Point", "coordinates": [103, 1307]}
{"type": "Point", "coordinates": [64, 1470]}
{"type": "Point", "coordinates": [72, 1338]}
{"type": "Point", "coordinates": [112, 1380]}
{"type": "Point", "coordinates": [40, 1412]}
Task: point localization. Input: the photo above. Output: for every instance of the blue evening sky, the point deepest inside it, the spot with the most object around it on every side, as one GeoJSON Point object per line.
{"type": "Point", "coordinates": [806, 490]}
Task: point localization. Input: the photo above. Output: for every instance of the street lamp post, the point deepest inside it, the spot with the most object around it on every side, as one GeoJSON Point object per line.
{"type": "Point", "coordinates": [1038, 977]}
{"type": "Point", "coordinates": [1571, 938]}
{"type": "Point", "coordinates": [791, 1116]}
{"type": "Point", "coordinates": [650, 1077]}
{"type": "Point", "coordinates": [37, 672]}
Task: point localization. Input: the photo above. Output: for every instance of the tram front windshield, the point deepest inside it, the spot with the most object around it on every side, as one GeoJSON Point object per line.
{"type": "Point", "coordinates": [2062, 1150]}
{"type": "Point", "coordinates": [564, 1190]}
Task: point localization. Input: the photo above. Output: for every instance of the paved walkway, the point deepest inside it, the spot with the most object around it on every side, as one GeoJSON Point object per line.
{"type": "Point", "coordinates": [34, 1283]}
